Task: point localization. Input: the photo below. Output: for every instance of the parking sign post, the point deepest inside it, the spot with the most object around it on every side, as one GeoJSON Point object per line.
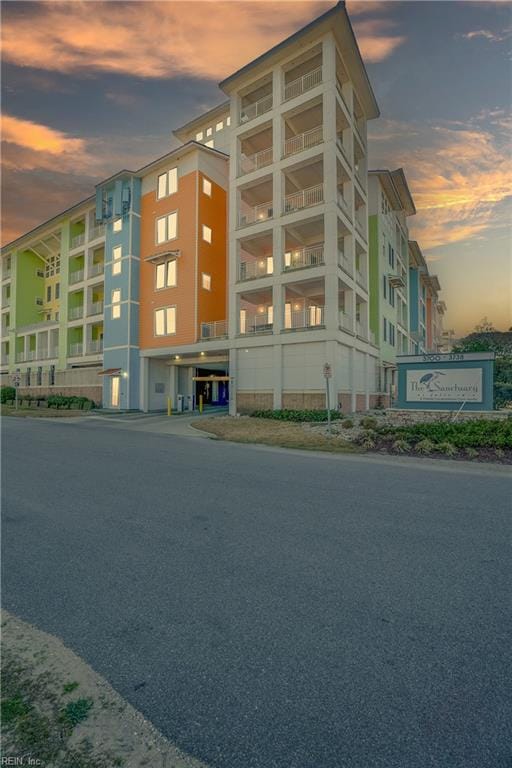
{"type": "Point", "coordinates": [327, 376]}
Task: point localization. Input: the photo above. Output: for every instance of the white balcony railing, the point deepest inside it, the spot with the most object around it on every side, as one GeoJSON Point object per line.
{"type": "Point", "coordinates": [257, 108]}
{"type": "Point", "coordinates": [77, 240]}
{"type": "Point", "coordinates": [96, 308]}
{"type": "Point", "coordinates": [260, 212]}
{"type": "Point", "coordinates": [345, 321]}
{"type": "Point", "coordinates": [345, 263]}
{"type": "Point", "coordinates": [303, 84]}
{"type": "Point", "coordinates": [339, 88]}
{"type": "Point", "coordinates": [342, 148]}
{"type": "Point", "coordinates": [76, 349]}
{"type": "Point", "coordinates": [96, 269]}
{"type": "Point", "coordinates": [304, 198]}
{"type": "Point", "coordinates": [303, 141]}
{"type": "Point", "coordinates": [310, 256]}
{"type": "Point", "coordinates": [95, 232]}
{"type": "Point", "coordinates": [20, 357]}
{"type": "Point", "coordinates": [4, 360]}
{"type": "Point", "coordinates": [256, 161]}
{"type": "Point", "coordinates": [94, 347]}
{"type": "Point", "coordinates": [310, 317]}
{"type": "Point", "coordinates": [76, 277]}
{"type": "Point", "coordinates": [53, 352]}
{"type": "Point", "coordinates": [360, 227]}
{"type": "Point", "coordinates": [260, 322]}
{"type": "Point", "coordinates": [31, 355]}
{"type": "Point", "coordinates": [6, 301]}
{"type": "Point", "coordinates": [6, 274]}
{"type": "Point", "coordinates": [343, 204]}
{"type": "Point", "coordinates": [248, 270]}
{"type": "Point", "coordinates": [361, 330]}
{"type": "Point", "coordinates": [217, 329]}
{"type": "Point", "coordinates": [75, 313]}
{"type": "Point", "coordinates": [361, 278]}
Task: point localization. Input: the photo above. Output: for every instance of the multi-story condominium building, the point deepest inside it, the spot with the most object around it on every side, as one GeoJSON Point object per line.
{"type": "Point", "coordinates": [235, 266]}
{"type": "Point", "coordinates": [390, 203]}
{"type": "Point", "coordinates": [426, 310]}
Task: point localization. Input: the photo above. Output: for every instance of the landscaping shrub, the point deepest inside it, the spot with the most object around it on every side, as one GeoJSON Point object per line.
{"type": "Point", "coordinates": [447, 448]}
{"type": "Point", "coordinates": [7, 394]}
{"type": "Point", "coordinates": [477, 433]}
{"type": "Point", "coordinates": [368, 422]}
{"type": "Point", "coordinates": [347, 424]}
{"type": "Point", "coordinates": [471, 453]}
{"type": "Point", "coordinates": [425, 446]}
{"type": "Point", "coordinates": [64, 401]}
{"type": "Point", "coordinates": [296, 415]}
{"type": "Point", "coordinates": [401, 446]}
{"type": "Point", "coordinates": [502, 394]}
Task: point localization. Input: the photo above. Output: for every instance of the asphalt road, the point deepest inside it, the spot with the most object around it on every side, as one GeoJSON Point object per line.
{"type": "Point", "coordinates": [271, 609]}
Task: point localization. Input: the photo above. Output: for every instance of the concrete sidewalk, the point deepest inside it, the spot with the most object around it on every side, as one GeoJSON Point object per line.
{"type": "Point", "coordinates": [155, 423]}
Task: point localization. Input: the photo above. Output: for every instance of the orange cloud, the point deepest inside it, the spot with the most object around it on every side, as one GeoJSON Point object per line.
{"type": "Point", "coordinates": [150, 39]}
{"type": "Point", "coordinates": [460, 178]}
{"type": "Point", "coordinates": [39, 138]}
{"type": "Point", "coordinates": [374, 40]}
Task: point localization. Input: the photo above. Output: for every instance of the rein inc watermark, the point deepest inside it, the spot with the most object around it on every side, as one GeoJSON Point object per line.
{"type": "Point", "coordinates": [20, 761]}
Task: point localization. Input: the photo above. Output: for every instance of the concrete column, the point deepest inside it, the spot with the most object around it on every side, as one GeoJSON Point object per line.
{"type": "Point", "coordinates": [331, 311]}
{"type": "Point", "coordinates": [233, 381]}
{"type": "Point", "coordinates": [333, 357]}
{"type": "Point", "coordinates": [352, 379]}
{"type": "Point", "coordinates": [144, 384]}
{"type": "Point", "coordinates": [173, 385]}
{"type": "Point", "coordinates": [367, 380]}
{"type": "Point", "coordinates": [278, 375]}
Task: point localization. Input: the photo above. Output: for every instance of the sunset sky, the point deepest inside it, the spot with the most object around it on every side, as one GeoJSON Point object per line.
{"type": "Point", "coordinates": [92, 87]}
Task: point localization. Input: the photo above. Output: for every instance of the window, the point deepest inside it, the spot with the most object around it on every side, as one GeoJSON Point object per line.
{"type": "Point", "coordinates": [40, 272]}
{"type": "Point", "coordinates": [116, 304]}
{"type": "Point", "coordinates": [167, 183]}
{"type": "Point", "coordinates": [209, 143]}
{"type": "Point", "coordinates": [56, 316]}
{"type": "Point", "coordinates": [57, 290]}
{"type": "Point", "coordinates": [199, 136]}
{"type": "Point", "coordinates": [228, 121]}
{"type": "Point", "coordinates": [391, 295]}
{"type": "Point", "coordinates": [39, 379]}
{"type": "Point", "coordinates": [385, 285]}
{"type": "Point", "coordinates": [51, 378]}
{"type": "Point", "coordinates": [207, 234]}
{"type": "Point", "coordinates": [219, 126]}
{"type": "Point", "coordinates": [209, 131]}
{"type": "Point", "coordinates": [117, 253]}
{"type": "Point", "coordinates": [385, 328]}
{"type": "Point", "coordinates": [49, 293]}
{"type": "Point", "coordinates": [114, 391]}
{"type": "Point", "coordinates": [117, 225]}
{"type": "Point", "coordinates": [166, 274]}
{"type": "Point", "coordinates": [165, 321]}
{"type": "Point", "coordinates": [206, 281]}
{"type": "Point", "coordinates": [167, 228]}
{"type": "Point", "coordinates": [207, 187]}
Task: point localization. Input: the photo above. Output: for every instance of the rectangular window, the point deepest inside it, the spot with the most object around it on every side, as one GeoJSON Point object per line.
{"type": "Point", "coordinates": [219, 126]}
{"type": "Point", "coordinates": [116, 304]}
{"type": "Point", "coordinates": [384, 332]}
{"type": "Point", "coordinates": [209, 131]}
{"type": "Point", "coordinates": [166, 274]}
{"type": "Point", "coordinates": [206, 281]}
{"type": "Point", "coordinates": [385, 285]}
{"type": "Point", "coordinates": [49, 293]}
{"type": "Point", "coordinates": [117, 253]}
{"type": "Point", "coordinates": [40, 272]}
{"type": "Point", "coordinates": [167, 228]}
{"type": "Point", "coordinates": [207, 234]}
{"type": "Point", "coordinates": [167, 183]}
{"type": "Point", "coordinates": [165, 321]}
{"type": "Point", "coordinates": [39, 376]}
{"type": "Point", "coordinates": [228, 121]}
{"type": "Point", "coordinates": [117, 225]}
{"type": "Point", "coordinates": [199, 136]}
{"type": "Point", "coordinates": [57, 290]}
{"type": "Point", "coordinates": [207, 187]}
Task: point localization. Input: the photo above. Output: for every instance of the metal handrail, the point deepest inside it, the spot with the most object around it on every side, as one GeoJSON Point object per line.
{"type": "Point", "coordinates": [309, 256]}
{"type": "Point", "coordinates": [260, 212]}
{"type": "Point", "coordinates": [303, 83]}
{"type": "Point", "coordinates": [303, 198]}
{"type": "Point", "coordinates": [256, 109]}
{"type": "Point", "coordinates": [256, 161]}
{"type": "Point", "coordinates": [303, 141]}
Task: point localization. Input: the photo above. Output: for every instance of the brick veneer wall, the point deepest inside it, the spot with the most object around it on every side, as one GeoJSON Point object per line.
{"type": "Point", "coordinates": [360, 402]}
{"type": "Point", "coordinates": [92, 392]}
{"type": "Point", "coordinates": [246, 402]}
{"type": "Point", "coordinates": [345, 402]}
{"type": "Point", "coordinates": [304, 400]}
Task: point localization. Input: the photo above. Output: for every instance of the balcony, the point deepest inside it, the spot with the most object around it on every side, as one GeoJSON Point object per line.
{"type": "Point", "coordinates": [6, 302]}
{"type": "Point", "coordinates": [302, 84]}
{"type": "Point", "coordinates": [343, 204]}
{"type": "Point", "coordinates": [20, 357]}
{"type": "Point", "coordinates": [260, 322]}
{"type": "Point", "coordinates": [53, 353]}
{"type": "Point", "coordinates": [303, 141]}
{"type": "Point", "coordinates": [257, 108]}
{"type": "Point", "coordinates": [94, 347]}
{"type": "Point", "coordinates": [310, 256]}
{"type": "Point", "coordinates": [217, 329]}
{"type": "Point", "coordinates": [257, 213]}
{"type": "Point", "coordinates": [250, 270]}
{"type": "Point", "coordinates": [345, 321]}
{"type": "Point", "coordinates": [75, 313]}
{"type": "Point", "coordinates": [95, 232]}
{"type": "Point", "coordinates": [6, 273]}
{"type": "Point", "coordinates": [257, 160]}
{"type": "Point", "coordinates": [361, 278]}
{"type": "Point", "coordinates": [304, 198]}
{"type": "Point", "coordinates": [361, 330]}
{"type": "Point", "coordinates": [344, 263]}
{"type": "Point", "coordinates": [76, 277]}
{"type": "Point", "coordinates": [76, 349]}
{"type": "Point", "coordinates": [4, 360]}
{"type": "Point", "coordinates": [77, 240]}
{"type": "Point", "coordinates": [96, 308]}
{"type": "Point", "coordinates": [309, 317]}
{"type": "Point", "coordinates": [96, 269]}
